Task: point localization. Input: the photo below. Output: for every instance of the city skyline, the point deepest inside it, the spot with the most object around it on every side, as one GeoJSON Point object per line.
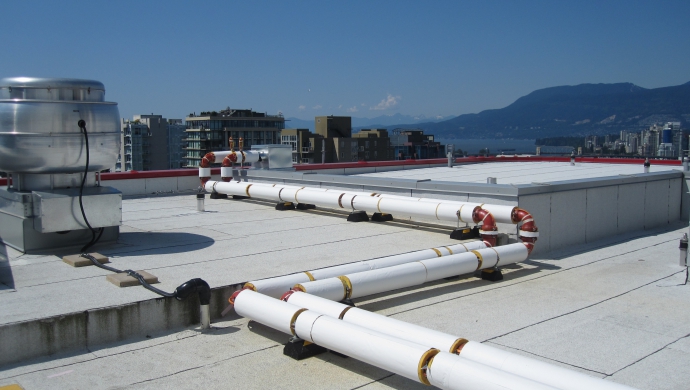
{"type": "Point", "coordinates": [357, 59]}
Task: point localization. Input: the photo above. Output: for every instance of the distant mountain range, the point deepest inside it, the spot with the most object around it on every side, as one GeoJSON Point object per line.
{"type": "Point", "coordinates": [579, 110]}
{"type": "Point", "coordinates": [571, 111]}
{"type": "Point", "coordinates": [382, 121]}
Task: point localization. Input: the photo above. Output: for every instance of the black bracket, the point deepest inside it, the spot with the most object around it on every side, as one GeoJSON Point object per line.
{"type": "Point", "coordinates": [285, 206]}
{"type": "Point", "coordinates": [299, 349]}
{"type": "Point", "coordinates": [492, 274]}
{"type": "Point", "coordinates": [465, 233]}
{"type": "Point", "coordinates": [358, 216]}
{"type": "Point", "coordinates": [381, 217]}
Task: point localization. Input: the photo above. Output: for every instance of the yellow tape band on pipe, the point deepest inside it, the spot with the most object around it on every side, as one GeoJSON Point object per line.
{"type": "Point", "coordinates": [424, 363]}
{"type": "Point", "coordinates": [438, 252]}
{"type": "Point", "coordinates": [378, 204]}
{"type": "Point", "coordinates": [460, 214]}
{"type": "Point", "coordinates": [247, 190]}
{"type": "Point", "coordinates": [250, 286]}
{"type": "Point", "coordinates": [347, 286]}
{"type": "Point", "coordinates": [479, 258]}
{"type": "Point", "coordinates": [294, 318]}
{"type": "Point", "coordinates": [437, 210]}
{"type": "Point", "coordinates": [457, 346]}
{"type": "Point", "coordinates": [311, 277]}
{"type": "Point", "coordinates": [449, 251]}
{"type": "Point", "coordinates": [342, 313]}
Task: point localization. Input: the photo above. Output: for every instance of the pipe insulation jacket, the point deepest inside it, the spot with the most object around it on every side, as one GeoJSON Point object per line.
{"type": "Point", "coordinates": [453, 372]}
{"type": "Point", "coordinates": [386, 325]}
{"type": "Point", "coordinates": [398, 356]}
{"type": "Point", "coordinates": [423, 207]}
{"type": "Point", "coordinates": [375, 281]}
{"type": "Point", "coordinates": [391, 354]}
{"type": "Point", "coordinates": [499, 359]}
{"type": "Point", "coordinates": [275, 287]}
{"type": "Point", "coordinates": [263, 309]}
{"type": "Point", "coordinates": [546, 373]}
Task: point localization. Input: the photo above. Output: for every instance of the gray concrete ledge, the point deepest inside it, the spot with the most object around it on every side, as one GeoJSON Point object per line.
{"type": "Point", "coordinates": [83, 330]}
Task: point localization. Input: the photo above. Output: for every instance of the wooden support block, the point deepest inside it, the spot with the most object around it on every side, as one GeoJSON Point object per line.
{"type": "Point", "coordinates": [123, 280]}
{"type": "Point", "coordinates": [78, 261]}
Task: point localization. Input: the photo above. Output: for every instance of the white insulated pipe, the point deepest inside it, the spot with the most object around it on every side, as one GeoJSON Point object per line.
{"type": "Point", "coordinates": [439, 209]}
{"type": "Point", "coordinates": [398, 356]}
{"type": "Point", "coordinates": [275, 287]}
{"type": "Point", "coordinates": [452, 372]}
{"type": "Point", "coordinates": [499, 359]}
{"type": "Point", "coordinates": [414, 273]}
{"type": "Point", "coordinates": [407, 359]}
{"type": "Point", "coordinates": [376, 322]}
{"type": "Point", "coordinates": [559, 377]}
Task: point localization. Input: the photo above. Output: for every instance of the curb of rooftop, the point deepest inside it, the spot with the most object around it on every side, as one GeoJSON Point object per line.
{"type": "Point", "coordinates": [79, 331]}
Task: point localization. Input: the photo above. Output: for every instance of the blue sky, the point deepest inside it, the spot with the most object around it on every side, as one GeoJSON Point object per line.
{"type": "Point", "coordinates": [358, 58]}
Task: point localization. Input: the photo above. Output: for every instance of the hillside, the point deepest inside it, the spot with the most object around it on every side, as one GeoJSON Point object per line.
{"type": "Point", "coordinates": [571, 111]}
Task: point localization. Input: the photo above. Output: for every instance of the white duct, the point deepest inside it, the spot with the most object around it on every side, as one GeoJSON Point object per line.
{"type": "Point", "coordinates": [395, 355]}
{"type": "Point", "coordinates": [522, 366]}
{"type": "Point", "coordinates": [444, 210]}
{"type": "Point", "coordinates": [411, 274]}
{"type": "Point", "coordinates": [275, 287]}
{"type": "Point", "coordinates": [453, 372]}
{"type": "Point", "coordinates": [441, 210]}
{"type": "Point", "coordinates": [407, 359]}
{"type": "Point", "coordinates": [377, 322]}
{"type": "Point", "coordinates": [558, 377]}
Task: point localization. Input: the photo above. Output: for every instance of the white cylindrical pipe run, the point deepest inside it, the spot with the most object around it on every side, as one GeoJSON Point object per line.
{"type": "Point", "coordinates": [386, 279]}
{"type": "Point", "coordinates": [411, 274]}
{"type": "Point", "coordinates": [391, 354]}
{"type": "Point", "coordinates": [264, 310]}
{"type": "Point", "coordinates": [398, 356]}
{"type": "Point", "coordinates": [445, 267]}
{"type": "Point", "coordinates": [453, 372]}
{"type": "Point", "coordinates": [275, 287]}
{"type": "Point", "coordinates": [386, 325]}
{"type": "Point", "coordinates": [429, 208]}
{"type": "Point", "coordinates": [334, 289]}
{"type": "Point", "coordinates": [489, 356]}
{"type": "Point", "coordinates": [558, 377]}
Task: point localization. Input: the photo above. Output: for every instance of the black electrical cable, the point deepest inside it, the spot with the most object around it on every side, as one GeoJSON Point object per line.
{"type": "Point", "coordinates": [181, 292]}
{"type": "Point", "coordinates": [94, 238]}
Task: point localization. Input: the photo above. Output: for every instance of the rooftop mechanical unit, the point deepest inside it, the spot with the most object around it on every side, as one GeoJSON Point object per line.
{"type": "Point", "coordinates": [44, 125]}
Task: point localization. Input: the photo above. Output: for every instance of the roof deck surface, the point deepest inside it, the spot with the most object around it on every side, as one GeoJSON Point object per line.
{"type": "Point", "coordinates": [614, 308]}
{"type": "Point", "coordinates": [520, 172]}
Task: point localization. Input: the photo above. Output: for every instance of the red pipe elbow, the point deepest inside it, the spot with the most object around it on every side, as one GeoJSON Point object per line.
{"type": "Point", "coordinates": [287, 294]}
{"type": "Point", "coordinates": [529, 228]}
{"type": "Point", "coordinates": [489, 228]}
{"type": "Point", "coordinates": [227, 162]}
{"type": "Point", "coordinates": [208, 159]}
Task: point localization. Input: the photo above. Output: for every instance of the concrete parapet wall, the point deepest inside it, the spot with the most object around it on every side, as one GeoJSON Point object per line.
{"type": "Point", "coordinates": [567, 212]}
{"type": "Point", "coordinates": [578, 214]}
{"type": "Point", "coordinates": [83, 330]}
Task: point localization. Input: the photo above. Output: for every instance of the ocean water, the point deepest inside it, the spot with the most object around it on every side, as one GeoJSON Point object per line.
{"type": "Point", "coordinates": [509, 146]}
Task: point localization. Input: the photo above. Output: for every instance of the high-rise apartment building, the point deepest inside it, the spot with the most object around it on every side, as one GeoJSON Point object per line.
{"type": "Point", "coordinates": [414, 144]}
{"type": "Point", "coordinates": [176, 143]}
{"type": "Point", "coordinates": [210, 131]}
{"type": "Point", "coordinates": [144, 145]}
